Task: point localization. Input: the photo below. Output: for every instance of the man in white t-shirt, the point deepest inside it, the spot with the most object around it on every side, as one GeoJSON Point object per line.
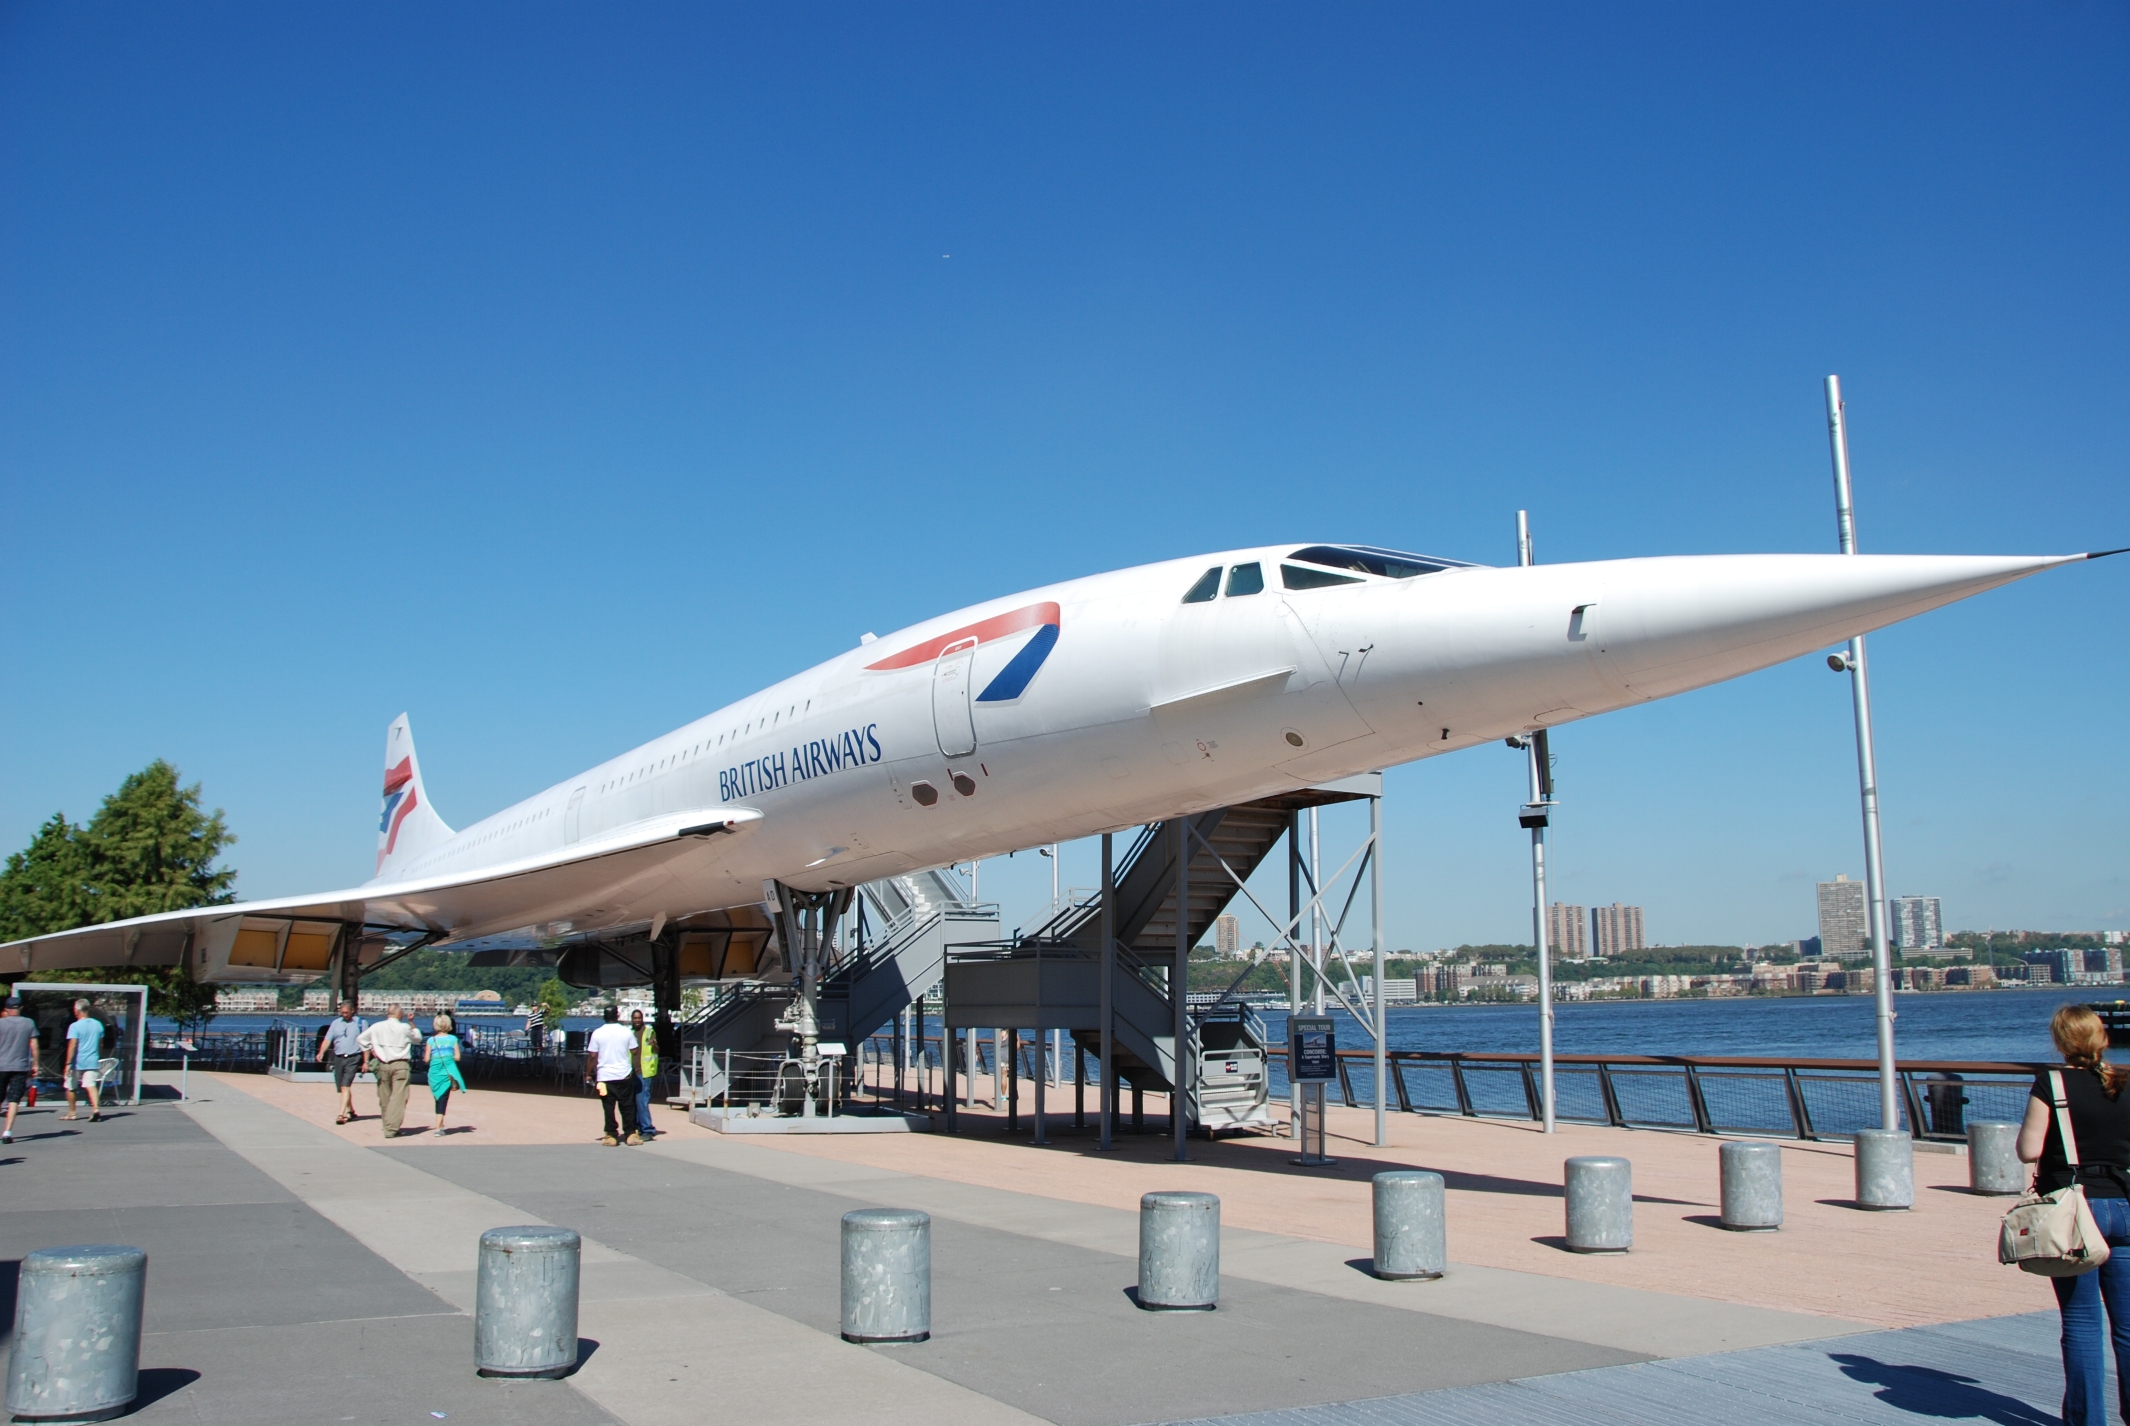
{"type": "Point", "coordinates": [610, 1063]}
{"type": "Point", "coordinates": [388, 1052]}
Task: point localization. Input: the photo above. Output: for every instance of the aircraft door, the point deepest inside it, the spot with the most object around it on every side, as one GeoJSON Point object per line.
{"type": "Point", "coordinates": [569, 818]}
{"type": "Point", "coordinates": [952, 717]}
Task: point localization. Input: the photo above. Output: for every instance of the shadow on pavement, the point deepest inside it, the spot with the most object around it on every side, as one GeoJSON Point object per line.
{"type": "Point", "coordinates": [159, 1382]}
{"type": "Point", "coordinates": [1927, 1391]}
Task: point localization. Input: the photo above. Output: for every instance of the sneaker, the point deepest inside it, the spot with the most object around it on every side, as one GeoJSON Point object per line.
{"type": "Point", "coordinates": [6, 1137]}
{"type": "Point", "coordinates": [610, 1141]}
{"type": "Point", "coordinates": [633, 1139]}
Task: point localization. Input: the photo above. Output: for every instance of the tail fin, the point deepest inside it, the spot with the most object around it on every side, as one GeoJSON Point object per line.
{"type": "Point", "coordinates": [409, 825]}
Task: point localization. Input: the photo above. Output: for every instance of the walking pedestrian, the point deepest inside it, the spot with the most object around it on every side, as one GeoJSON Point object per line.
{"type": "Point", "coordinates": [444, 1073]}
{"type": "Point", "coordinates": [85, 1055]}
{"type": "Point", "coordinates": [342, 1039]}
{"type": "Point", "coordinates": [610, 1062]}
{"type": "Point", "coordinates": [646, 1072]}
{"type": "Point", "coordinates": [2100, 1130]}
{"type": "Point", "coordinates": [18, 1060]}
{"type": "Point", "coordinates": [388, 1052]}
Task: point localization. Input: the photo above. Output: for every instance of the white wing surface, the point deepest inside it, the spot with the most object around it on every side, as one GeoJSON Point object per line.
{"type": "Point", "coordinates": [587, 885]}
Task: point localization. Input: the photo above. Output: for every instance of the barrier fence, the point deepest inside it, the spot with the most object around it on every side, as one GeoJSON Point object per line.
{"type": "Point", "coordinates": [1708, 1094]}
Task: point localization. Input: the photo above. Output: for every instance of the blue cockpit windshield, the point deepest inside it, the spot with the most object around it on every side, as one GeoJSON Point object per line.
{"type": "Point", "coordinates": [1368, 559]}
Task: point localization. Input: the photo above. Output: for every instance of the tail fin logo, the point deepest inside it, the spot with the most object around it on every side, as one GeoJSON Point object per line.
{"type": "Point", "coordinates": [399, 801]}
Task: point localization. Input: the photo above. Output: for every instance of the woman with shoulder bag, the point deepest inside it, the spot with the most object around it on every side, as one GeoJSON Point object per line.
{"type": "Point", "coordinates": [2100, 1125]}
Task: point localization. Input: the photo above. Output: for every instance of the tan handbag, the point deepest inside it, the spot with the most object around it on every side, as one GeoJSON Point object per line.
{"type": "Point", "coordinates": [2054, 1234]}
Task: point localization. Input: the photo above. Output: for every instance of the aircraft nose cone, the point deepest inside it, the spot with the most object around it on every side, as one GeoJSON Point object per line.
{"type": "Point", "coordinates": [1666, 625]}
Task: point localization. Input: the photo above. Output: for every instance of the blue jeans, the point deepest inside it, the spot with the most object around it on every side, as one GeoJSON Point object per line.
{"type": "Point", "coordinates": [2081, 1299]}
{"type": "Point", "coordinates": [643, 1108]}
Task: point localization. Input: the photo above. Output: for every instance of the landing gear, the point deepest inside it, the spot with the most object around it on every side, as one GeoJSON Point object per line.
{"type": "Point", "coordinates": [806, 923]}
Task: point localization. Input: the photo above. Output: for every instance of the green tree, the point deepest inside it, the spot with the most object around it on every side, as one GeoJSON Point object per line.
{"type": "Point", "coordinates": [46, 884]}
{"type": "Point", "coordinates": [149, 849]}
{"type": "Point", "coordinates": [556, 999]}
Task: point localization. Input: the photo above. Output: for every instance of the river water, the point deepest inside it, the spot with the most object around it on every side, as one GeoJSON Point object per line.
{"type": "Point", "coordinates": [1942, 1025]}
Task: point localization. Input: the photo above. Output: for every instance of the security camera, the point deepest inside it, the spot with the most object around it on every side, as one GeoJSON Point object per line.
{"type": "Point", "coordinates": [1839, 663]}
{"type": "Point", "coordinates": [1516, 742]}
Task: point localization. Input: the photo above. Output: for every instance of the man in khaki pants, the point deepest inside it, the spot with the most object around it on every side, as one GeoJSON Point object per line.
{"type": "Point", "coordinates": [388, 1050]}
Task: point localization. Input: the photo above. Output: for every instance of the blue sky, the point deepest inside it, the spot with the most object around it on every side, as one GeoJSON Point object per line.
{"type": "Point", "coordinates": [559, 373]}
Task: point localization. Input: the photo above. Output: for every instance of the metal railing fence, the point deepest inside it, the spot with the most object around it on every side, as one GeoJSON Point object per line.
{"type": "Point", "coordinates": [1708, 1094]}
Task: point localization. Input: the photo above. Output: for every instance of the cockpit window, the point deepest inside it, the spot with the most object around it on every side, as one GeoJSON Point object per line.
{"type": "Point", "coordinates": [1296, 576]}
{"type": "Point", "coordinates": [1368, 559]}
{"type": "Point", "coordinates": [1246, 579]}
{"type": "Point", "coordinates": [1207, 586]}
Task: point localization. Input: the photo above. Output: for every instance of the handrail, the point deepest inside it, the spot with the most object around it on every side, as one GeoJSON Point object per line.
{"type": "Point", "coordinates": [1934, 1094]}
{"type": "Point", "coordinates": [1702, 1061]}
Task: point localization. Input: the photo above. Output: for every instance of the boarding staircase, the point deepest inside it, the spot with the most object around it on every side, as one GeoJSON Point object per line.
{"type": "Point", "coordinates": [1049, 975]}
{"type": "Point", "coordinates": [733, 1048]}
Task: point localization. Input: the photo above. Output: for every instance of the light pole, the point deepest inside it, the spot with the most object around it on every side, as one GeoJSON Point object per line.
{"type": "Point", "coordinates": [1534, 815]}
{"type": "Point", "coordinates": [1866, 774]}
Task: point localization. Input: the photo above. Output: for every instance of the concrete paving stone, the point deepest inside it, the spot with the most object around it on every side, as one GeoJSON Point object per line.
{"type": "Point", "coordinates": [1897, 1378]}
{"type": "Point", "coordinates": [766, 1367]}
{"type": "Point", "coordinates": [150, 1156]}
{"type": "Point", "coordinates": [388, 1372]}
{"type": "Point", "coordinates": [996, 1294]}
{"type": "Point", "coordinates": [231, 1265]}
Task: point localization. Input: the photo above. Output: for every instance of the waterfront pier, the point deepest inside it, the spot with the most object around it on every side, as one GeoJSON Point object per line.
{"type": "Point", "coordinates": [296, 1265]}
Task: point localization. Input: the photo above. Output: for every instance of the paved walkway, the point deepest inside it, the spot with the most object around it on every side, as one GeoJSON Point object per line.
{"type": "Point", "coordinates": [293, 1260]}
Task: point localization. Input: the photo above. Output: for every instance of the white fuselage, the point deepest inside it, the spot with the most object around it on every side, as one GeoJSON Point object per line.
{"type": "Point", "coordinates": [1147, 706]}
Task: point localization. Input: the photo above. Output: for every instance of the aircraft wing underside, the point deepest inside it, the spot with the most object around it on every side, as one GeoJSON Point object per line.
{"type": "Point", "coordinates": [585, 886]}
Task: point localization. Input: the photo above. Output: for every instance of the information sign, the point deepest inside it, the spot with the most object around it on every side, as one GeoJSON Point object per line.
{"type": "Point", "coordinates": [1312, 1054]}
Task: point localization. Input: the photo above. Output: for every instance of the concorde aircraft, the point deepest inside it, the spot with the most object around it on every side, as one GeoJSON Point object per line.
{"type": "Point", "coordinates": [1097, 704]}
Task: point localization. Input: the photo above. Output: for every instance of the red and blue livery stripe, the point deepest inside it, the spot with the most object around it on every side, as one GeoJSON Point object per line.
{"type": "Point", "coordinates": [1012, 680]}
{"type": "Point", "coordinates": [399, 801]}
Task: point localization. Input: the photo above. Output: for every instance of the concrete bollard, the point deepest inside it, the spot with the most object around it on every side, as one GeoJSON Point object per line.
{"type": "Point", "coordinates": [1410, 1240]}
{"type": "Point", "coordinates": [77, 1353]}
{"type": "Point", "coordinates": [1600, 1191]}
{"type": "Point", "coordinates": [1751, 1171]}
{"type": "Point", "coordinates": [525, 1302]}
{"type": "Point", "coordinates": [1885, 1169]}
{"type": "Point", "coordinates": [887, 1275]}
{"type": "Point", "coordinates": [1179, 1252]}
{"type": "Point", "coordinates": [1993, 1158]}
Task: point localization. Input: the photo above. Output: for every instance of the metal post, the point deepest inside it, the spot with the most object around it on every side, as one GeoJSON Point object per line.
{"type": "Point", "coordinates": [1375, 896]}
{"type": "Point", "coordinates": [1316, 909]}
{"type": "Point", "coordinates": [1866, 776]}
{"type": "Point", "coordinates": [1079, 1085]}
{"type": "Point", "coordinates": [895, 1055]}
{"type": "Point", "coordinates": [1541, 779]}
{"type": "Point", "coordinates": [1295, 1101]}
{"type": "Point", "coordinates": [1107, 1068]}
{"type": "Point", "coordinates": [1008, 1041]}
{"type": "Point", "coordinates": [1180, 991]}
{"type": "Point", "coordinates": [1041, 1049]}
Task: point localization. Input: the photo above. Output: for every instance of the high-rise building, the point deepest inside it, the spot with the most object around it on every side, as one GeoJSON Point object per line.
{"type": "Point", "coordinates": [1227, 937]}
{"type": "Point", "coordinates": [1565, 932]}
{"type": "Point", "coordinates": [1917, 923]}
{"type": "Point", "coordinates": [1615, 928]}
{"type": "Point", "coordinates": [1843, 924]}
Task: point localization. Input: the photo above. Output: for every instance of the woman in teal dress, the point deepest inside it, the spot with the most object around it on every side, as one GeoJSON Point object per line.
{"type": "Point", "coordinates": [444, 1073]}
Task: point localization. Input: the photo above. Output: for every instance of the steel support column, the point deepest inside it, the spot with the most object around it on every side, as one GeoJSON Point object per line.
{"type": "Point", "coordinates": [1107, 1068]}
{"type": "Point", "coordinates": [1180, 994]}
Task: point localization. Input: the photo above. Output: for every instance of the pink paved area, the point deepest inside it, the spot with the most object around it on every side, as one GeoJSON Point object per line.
{"type": "Point", "coordinates": [1935, 1263]}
